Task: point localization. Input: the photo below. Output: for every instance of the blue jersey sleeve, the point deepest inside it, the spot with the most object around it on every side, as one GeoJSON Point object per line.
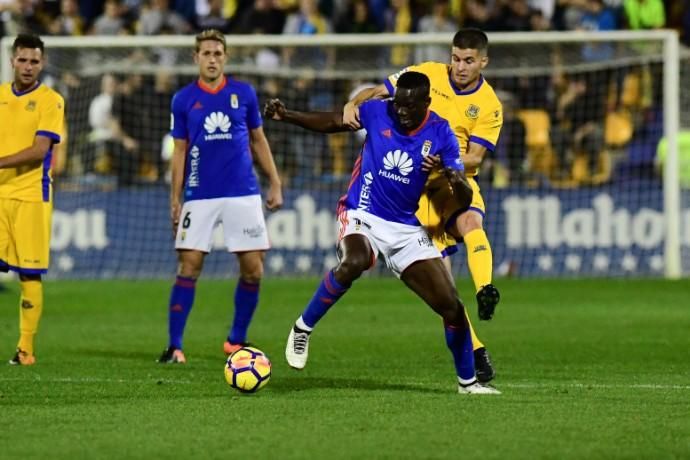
{"type": "Point", "coordinates": [366, 113]}
{"type": "Point", "coordinates": [178, 118]}
{"type": "Point", "coordinates": [450, 149]}
{"type": "Point", "coordinates": [253, 114]}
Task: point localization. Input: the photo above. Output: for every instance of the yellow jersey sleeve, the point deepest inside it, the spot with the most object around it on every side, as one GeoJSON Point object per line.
{"type": "Point", "coordinates": [489, 123]}
{"type": "Point", "coordinates": [425, 67]}
{"type": "Point", "coordinates": [52, 117]}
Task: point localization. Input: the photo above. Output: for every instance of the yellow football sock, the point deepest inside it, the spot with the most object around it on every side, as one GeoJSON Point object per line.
{"type": "Point", "coordinates": [30, 309]}
{"type": "Point", "coordinates": [476, 343]}
{"type": "Point", "coordinates": [479, 257]}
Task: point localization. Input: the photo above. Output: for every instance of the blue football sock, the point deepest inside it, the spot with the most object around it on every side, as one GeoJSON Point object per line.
{"type": "Point", "coordinates": [326, 295]}
{"type": "Point", "coordinates": [246, 300]}
{"type": "Point", "coordinates": [181, 301]}
{"type": "Point", "coordinates": [459, 342]}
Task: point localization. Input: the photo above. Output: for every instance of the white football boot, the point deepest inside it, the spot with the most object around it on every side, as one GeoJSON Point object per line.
{"type": "Point", "coordinates": [477, 388]}
{"type": "Point", "coordinates": [297, 348]}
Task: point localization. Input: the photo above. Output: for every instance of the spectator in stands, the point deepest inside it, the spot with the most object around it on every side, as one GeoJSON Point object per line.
{"type": "Point", "coordinates": [577, 127]}
{"type": "Point", "coordinates": [9, 17]}
{"type": "Point", "coordinates": [683, 157]}
{"type": "Point", "coordinates": [129, 130]}
{"type": "Point", "coordinates": [111, 21]}
{"type": "Point", "coordinates": [512, 16]}
{"type": "Point", "coordinates": [507, 162]}
{"type": "Point", "coordinates": [568, 13]}
{"type": "Point", "coordinates": [69, 22]}
{"type": "Point", "coordinates": [438, 21]}
{"type": "Point", "coordinates": [158, 16]}
{"type": "Point", "coordinates": [308, 20]}
{"type": "Point", "coordinates": [158, 124]}
{"type": "Point", "coordinates": [214, 19]}
{"type": "Point", "coordinates": [399, 20]}
{"type": "Point", "coordinates": [686, 23]}
{"type": "Point", "coordinates": [95, 157]}
{"type": "Point", "coordinates": [357, 19]}
{"type": "Point", "coordinates": [597, 17]}
{"type": "Point", "coordinates": [644, 14]}
{"type": "Point", "coordinates": [263, 17]}
{"type": "Point", "coordinates": [479, 14]}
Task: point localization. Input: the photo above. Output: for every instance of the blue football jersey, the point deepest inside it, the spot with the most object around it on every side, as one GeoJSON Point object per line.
{"type": "Point", "coordinates": [387, 180]}
{"type": "Point", "coordinates": [216, 125]}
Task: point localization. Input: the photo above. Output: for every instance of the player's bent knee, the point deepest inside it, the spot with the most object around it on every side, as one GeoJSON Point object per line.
{"type": "Point", "coordinates": [351, 268]}
{"type": "Point", "coordinates": [469, 221]}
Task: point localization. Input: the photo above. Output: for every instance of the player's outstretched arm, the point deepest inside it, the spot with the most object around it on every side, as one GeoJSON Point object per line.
{"type": "Point", "coordinates": [262, 152]}
{"type": "Point", "coordinates": [351, 109]}
{"type": "Point", "coordinates": [461, 188]}
{"type": "Point", "coordinates": [321, 122]}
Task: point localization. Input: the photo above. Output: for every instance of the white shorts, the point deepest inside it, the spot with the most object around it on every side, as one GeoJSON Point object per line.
{"type": "Point", "coordinates": [244, 227]}
{"type": "Point", "coordinates": [400, 245]}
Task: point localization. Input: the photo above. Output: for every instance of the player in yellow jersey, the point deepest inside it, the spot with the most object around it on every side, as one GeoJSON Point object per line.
{"type": "Point", "coordinates": [461, 95]}
{"type": "Point", "coordinates": [32, 122]}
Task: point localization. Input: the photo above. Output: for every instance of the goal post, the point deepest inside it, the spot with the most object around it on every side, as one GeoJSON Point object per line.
{"type": "Point", "coordinates": [540, 220]}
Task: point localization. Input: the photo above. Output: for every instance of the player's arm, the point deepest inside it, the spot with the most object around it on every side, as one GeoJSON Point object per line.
{"type": "Point", "coordinates": [483, 137]}
{"type": "Point", "coordinates": [262, 152]}
{"type": "Point", "coordinates": [351, 109]}
{"type": "Point", "coordinates": [474, 156]}
{"type": "Point", "coordinates": [30, 155]}
{"type": "Point", "coordinates": [177, 170]}
{"type": "Point", "coordinates": [322, 122]}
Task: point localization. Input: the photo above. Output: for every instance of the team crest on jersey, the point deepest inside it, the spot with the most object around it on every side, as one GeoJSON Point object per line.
{"type": "Point", "coordinates": [472, 111]}
{"type": "Point", "coordinates": [234, 102]}
{"type": "Point", "coordinates": [30, 106]}
{"type": "Point", "coordinates": [426, 148]}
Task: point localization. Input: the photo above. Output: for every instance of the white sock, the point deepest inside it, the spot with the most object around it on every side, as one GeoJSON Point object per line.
{"type": "Point", "coordinates": [301, 325]}
{"type": "Point", "coordinates": [466, 383]}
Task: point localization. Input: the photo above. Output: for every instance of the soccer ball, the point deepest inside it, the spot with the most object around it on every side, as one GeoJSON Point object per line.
{"type": "Point", "coordinates": [248, 370]}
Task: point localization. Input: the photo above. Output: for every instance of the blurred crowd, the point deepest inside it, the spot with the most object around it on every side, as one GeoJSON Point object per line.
{"type": "Point", "coordinates": [566, 125]}
{"type": "Point", "coordinates": [151, 17]}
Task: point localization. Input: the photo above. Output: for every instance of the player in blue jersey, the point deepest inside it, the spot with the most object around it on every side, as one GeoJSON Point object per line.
{"type": "Point", "coordinates": [377, 215]}
{"type": "Point", "coordinates": [217, 126]}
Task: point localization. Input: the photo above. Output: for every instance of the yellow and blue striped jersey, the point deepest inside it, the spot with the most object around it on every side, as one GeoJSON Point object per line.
{"type": "Point", "coordinates": [36, 112]}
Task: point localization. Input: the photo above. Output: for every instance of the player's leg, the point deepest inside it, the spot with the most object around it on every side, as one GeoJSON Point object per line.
{"type": "Point", "coordinates": [356, 256]}
{"type": "Point", "coordinates": [246, 235]}
{"type": "Point", "coordinates": [190, 264]}
{"type": "Point", "coordinates": [193, 241]}
{"type": "Point", "coordinates": [432, 214]}
{"type": "Point", "coordinates": [430, 280]}
{"type": "Point", "coordinates": [470, 226]}
{"type": "Point", "coordinates": [246, 298]}
{"type": "Point", "coordinates": [28, 254]}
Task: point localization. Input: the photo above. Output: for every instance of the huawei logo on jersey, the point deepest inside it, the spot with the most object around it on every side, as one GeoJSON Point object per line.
{"type": "Point", "coordinates": [214, 122]}
{"type": "Point", "coordinates": [400, 161]}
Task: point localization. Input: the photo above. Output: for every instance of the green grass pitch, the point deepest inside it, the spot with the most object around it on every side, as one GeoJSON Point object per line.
{"type": "Point", "coordinates": [588, 369]}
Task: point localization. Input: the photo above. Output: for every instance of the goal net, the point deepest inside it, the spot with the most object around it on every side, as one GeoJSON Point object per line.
{"type": "Point", "coordinates": [576, 186]}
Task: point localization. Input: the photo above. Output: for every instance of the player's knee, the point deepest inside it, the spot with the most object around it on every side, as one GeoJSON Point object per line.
{"type": "Point", "coordinates": [451, 309]}
{"type": "Point", "coordinates": [468, 221]}
{"type": "Point", "coordinates": [189, 269]}
{"type": "Point", "coordinates": [352, 267]}
{"type": "Point", "coordinates": [253, 274]}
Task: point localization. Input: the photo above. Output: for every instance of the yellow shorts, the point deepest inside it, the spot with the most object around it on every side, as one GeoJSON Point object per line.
{"type": "Point", "coordinates": [438, 208]}
{"type": "Point", "coordinates": [25, 236]}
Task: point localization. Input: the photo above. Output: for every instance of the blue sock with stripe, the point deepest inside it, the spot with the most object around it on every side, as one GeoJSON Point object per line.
{"type": "Point", "coordinates": [246, 300]}
{"type": "Point", "coordinates": [181, 301]}
{"type": "Point", "coordinates": [328, 293]}
{"type": "Point", "coordinates": [459, 341]}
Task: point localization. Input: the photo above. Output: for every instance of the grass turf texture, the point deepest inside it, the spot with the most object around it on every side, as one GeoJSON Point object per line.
{"type": "Point", "coordinates": [588, 369]}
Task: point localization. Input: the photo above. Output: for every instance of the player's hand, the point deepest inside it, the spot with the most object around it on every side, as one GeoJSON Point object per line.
{"type": "Point", "coordinates": [175, 212]}
{"type": "Point", "coordinates": [274, 109]}
{"type": "Point", "coordinates": [274, 201]}
{"type": "Point", "coordinates": [430, 162]}
{"type": "Point", "coordinates": [351, 116]}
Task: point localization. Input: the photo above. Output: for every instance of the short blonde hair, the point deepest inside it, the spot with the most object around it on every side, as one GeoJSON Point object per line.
{"type": "Point", "coordinates": [210, 34]}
